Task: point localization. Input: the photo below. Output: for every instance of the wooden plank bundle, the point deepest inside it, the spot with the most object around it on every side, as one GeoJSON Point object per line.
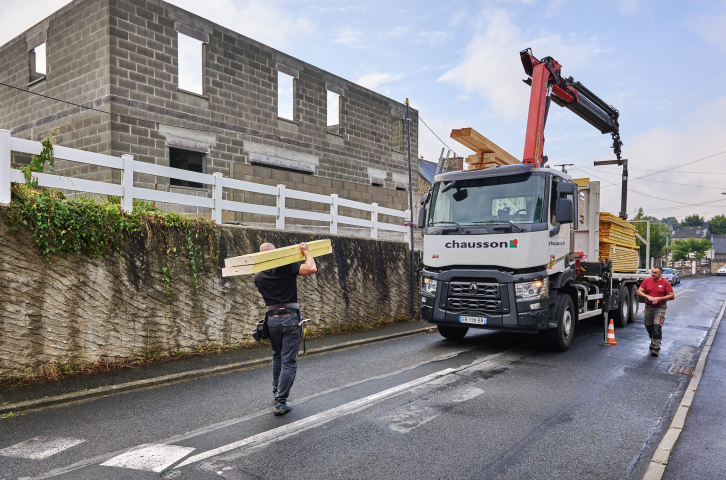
{"type": "Point", "coordinates": [488, 154]}
{"type": "Point", "coordinates": [617, 243]}
{"type": "Point", "coordinates": [261, 261]}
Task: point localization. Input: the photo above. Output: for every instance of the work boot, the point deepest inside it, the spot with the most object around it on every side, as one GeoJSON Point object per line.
{"type": "Point", "coordinates": [654, 353]}
{"type": "Point", "coordinates": [282, 408]}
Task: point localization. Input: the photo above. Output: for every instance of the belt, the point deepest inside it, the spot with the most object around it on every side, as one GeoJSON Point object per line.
{"type": "Point", "coordinates": [283, 306]}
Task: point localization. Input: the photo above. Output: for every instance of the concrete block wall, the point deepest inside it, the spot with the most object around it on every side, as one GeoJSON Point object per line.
{"type": "Point", "coordinates": [77, 71]}
{"type": "Point", "coordinates": [234, 122]}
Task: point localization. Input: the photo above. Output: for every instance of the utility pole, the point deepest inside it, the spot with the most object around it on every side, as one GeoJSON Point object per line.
{"type": "Point", "coordinates": [410, 206]}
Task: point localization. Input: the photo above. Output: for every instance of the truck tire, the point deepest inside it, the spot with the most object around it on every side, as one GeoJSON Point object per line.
{"type": "Point", "coordinates": [621, 315]}
{"type": "Point", "coordinates": [634, 303]}
{"type": "Point", "coordinates": [560, 338]}
{"type": "Point", "coordinates": [453, 333]}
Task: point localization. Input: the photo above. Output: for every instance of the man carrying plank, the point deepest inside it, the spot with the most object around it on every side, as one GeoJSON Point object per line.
{"type": "Point", "coordinates": [278, 287]}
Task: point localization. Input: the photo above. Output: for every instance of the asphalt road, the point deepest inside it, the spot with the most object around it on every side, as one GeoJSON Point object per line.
{"type": "Point", "coordinates": [495, 406]}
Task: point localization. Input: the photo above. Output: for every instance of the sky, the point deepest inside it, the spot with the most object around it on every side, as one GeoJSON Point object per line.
{"type": "Point", "coordinates": [660, 63]}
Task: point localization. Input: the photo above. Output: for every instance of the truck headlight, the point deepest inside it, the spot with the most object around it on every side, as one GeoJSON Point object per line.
{"type": "Point", "coordinates": [532, 290]}
{"type": "Point", "coordinates": [428, 286]}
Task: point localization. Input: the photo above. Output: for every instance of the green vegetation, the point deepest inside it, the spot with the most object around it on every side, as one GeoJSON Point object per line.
{"type": "Point", "coordinates": [659, 234]}
{"type": "Point", "coordinates": [692, 221]}
{"type": "Point", "coordinates": [717, 225]}
{"type": "Point", "coordinates": [682, 249]}
{"type": "Point", "coordinates": [96, 227]}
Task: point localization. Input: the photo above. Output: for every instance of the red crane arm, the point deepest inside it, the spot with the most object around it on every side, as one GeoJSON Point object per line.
{"type": "Point", "coordinates": [548, 84]}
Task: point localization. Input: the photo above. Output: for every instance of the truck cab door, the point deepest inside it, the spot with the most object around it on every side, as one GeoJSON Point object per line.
{"type": "Point", "coordinates": [561, 214]}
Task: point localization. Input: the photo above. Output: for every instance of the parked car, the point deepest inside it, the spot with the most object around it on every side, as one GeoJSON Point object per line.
{"type": "Point", "coordinates": [669, 275]}
{"type": "Point", "coordinates": [721, 271]}
{"type": "Point", "coordinates": [641, 271]}
{"type": "Point", "coordinates": [677, 275]}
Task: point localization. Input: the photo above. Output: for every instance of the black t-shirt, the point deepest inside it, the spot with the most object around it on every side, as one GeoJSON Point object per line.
{"type": "Point", "coordinates": [278, 285]}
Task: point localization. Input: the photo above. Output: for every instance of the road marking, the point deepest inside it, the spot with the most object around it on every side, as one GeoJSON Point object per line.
{"type": "Point", "coordinates": [39, 448]}
{"type": "Point", "coordinates": [408, 417]}
{"type": "Point", "coordinates": [227, 423]}
{"type": "Point", "coordinates": [299, 426]}
{"type": "Point", "coordinates": [151, 457]}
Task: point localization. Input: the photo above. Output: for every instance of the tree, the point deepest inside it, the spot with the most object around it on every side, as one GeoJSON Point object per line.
{"type": "Point", "coordinates": [659, 234]}
{"type": "Point", "coordinates": [692, 221]}
{"type": "Point", "coordinates": [682, 249]}
{"type": "Point", "coordinates": [717, 225]}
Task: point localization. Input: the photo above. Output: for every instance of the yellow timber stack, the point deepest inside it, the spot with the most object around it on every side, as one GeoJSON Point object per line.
{"type": "Point", "coordinates": [261, 261]}
{"type": "Point", "coordinates": [488, 154]}
{"type": "Point", "coordinates": [617, 243]}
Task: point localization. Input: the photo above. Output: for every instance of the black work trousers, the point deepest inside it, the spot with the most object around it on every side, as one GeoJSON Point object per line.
{"type": "Point", "coordinates": [285, 335]}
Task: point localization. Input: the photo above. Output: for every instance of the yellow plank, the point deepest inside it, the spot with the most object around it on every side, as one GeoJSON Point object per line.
{"type": "Point", "coordinates": [474, 140]}
{"type": "Point", "coordinates": [279, 262]}
{"type": "Point", "coordinates": [581, 182]}
{"type": "Point", "coordinates": [260, 257]}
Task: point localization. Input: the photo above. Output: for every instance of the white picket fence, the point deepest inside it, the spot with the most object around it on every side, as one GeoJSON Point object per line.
{"type": "Point", "coordinates": [128, 192]}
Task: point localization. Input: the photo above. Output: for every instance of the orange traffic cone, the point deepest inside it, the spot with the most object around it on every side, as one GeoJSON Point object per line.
{"type": "Point", "coordinates": [611, 334]}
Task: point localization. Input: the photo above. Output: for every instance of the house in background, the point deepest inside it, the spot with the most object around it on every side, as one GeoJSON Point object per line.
{"type": "Point", "coordinates": [426, 171]}
{"type": "Point", "coordinates": [719, 252]}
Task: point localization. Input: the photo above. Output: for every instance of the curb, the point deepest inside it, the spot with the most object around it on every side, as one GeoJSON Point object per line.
{"type": "Point", "coordinates": [658, 463]}
{"type": "Point", "coordinates": [175, 377]}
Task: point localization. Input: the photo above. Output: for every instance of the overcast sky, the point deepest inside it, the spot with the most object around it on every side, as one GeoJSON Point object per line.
{"type": "Point", "coordinates": [660, 63]}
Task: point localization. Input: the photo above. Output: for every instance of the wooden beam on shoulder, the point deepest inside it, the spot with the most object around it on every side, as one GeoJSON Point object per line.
{"type": "Point", "coordinates": [278, 262]}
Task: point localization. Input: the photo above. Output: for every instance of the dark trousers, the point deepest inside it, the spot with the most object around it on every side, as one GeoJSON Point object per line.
{"type": "Point", "coordinates": [285, 335]}
{"type": "Point", "coordinates": [654, 320]}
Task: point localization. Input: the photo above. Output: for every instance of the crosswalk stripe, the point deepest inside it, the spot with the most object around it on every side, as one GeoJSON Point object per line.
{"type": "Point", "coordinates": [151, 457]}
{"type": "Point", "coordinates": [39, 448]}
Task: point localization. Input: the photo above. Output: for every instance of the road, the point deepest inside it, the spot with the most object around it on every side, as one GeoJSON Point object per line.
{"type": "Point", "coordinates": [495, 405]}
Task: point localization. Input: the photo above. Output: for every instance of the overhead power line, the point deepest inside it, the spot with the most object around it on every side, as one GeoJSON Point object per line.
{"type": "Point", "coordinates": [669, 183]}
{"type": "Point", "coordinates": [430, 130]}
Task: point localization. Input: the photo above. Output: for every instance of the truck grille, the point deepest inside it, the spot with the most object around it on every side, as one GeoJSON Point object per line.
{"type": "Point", "coordinates": [483, 290]}
{"type": "Point", "coordinates": [473, 305]}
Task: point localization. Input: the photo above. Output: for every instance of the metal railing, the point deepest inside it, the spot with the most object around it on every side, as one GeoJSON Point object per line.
{"type": "Point", "coordinates": [128, 192]}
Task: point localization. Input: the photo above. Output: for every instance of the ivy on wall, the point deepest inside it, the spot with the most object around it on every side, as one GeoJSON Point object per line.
{"type": "Point", "coordinates": [99, 226]}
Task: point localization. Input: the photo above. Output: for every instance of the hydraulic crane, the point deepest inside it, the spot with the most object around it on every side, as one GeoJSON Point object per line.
{"type": "Point", "coordinates": [547, 82]}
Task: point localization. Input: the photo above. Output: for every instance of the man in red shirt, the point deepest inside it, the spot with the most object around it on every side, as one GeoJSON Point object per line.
{"type": "Point", "coordinates": [656, 291]}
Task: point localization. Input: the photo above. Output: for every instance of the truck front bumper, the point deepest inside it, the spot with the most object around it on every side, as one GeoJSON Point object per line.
{"type": "Point", "coordinates": [483, 293]}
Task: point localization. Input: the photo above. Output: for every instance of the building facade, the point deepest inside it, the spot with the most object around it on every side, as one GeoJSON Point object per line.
{"type": "Point", "coordinates": [123, 57]}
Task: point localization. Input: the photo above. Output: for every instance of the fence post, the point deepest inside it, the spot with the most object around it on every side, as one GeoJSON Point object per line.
{"type": "Point", "coordinates": [127, 182]}
{"type": "Point", "coordinates": [280, 224]}
{"type": "Point", "coordinates": [407, 236]}
{"type": "Point", "coordinates": [334, 214]}
{"type": "Point", "coordinates": [217, 196]}
{"type": "Point", "coordinates": [374, 219]}
{"type": "Point", "coordinates": [5, 180]}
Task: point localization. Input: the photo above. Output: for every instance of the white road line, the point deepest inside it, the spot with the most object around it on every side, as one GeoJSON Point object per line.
{"type": "Point", "coordinates": [294, 428]}
{"type": "Point", "coordinates": [227, 423]}
{"type": "Point", "coordinates": [152, 457]}
{"type": "Point", "coordinates": [39, 448]}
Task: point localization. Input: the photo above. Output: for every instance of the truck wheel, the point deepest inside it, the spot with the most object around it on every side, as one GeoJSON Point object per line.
{"type": "Point", "coordinates": [559, 339]}
{"type": "Point", "coordinates": [634, 303]}
{"type": "Point", "coordinates": [621, 314]}
{"type": "Point", "coordinates": [453, 333]}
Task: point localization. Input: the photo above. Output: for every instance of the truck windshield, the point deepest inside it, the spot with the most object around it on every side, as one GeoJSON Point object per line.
{"type": "Point", "coordinates": [516, 199]}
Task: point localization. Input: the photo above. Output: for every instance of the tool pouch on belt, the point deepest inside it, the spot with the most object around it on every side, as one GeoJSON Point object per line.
{"type": "Point", "coordinates": [261, 332]}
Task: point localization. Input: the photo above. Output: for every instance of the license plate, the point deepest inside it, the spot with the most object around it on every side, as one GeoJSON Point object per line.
{"type": "Point", "coordinates": [476, 320]}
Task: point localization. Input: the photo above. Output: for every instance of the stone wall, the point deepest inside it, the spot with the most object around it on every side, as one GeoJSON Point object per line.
{"type": "Point", "coordinates": [77, 308]}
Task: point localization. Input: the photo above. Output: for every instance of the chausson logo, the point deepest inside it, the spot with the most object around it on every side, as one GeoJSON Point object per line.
{"type": "Point", "coordinates": [557, 243]}
{"type": "Point", "coordinates": [504, 244]}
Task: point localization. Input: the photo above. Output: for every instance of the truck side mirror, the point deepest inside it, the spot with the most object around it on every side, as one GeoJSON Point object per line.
{"type": "Point", "coordinates": [564, 211]}
{"type": "Point", "coordinates": [422, 218]}
{"type": "Point", "coordinates": [566, 188]}
{"type": "Point", "coordinates": [425, 198]}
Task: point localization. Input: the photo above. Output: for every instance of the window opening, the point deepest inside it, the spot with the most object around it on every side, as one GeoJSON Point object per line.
{"type": "Point", "coordinates": [186, 160]}
{"type": "Point", "coordinates": [190, 64]}
{"type": "Point", "coordinates": [333, 109]}
{"type": "Point", "coordinates": [38, 65]}
{"type": "Point", "coordinates": [285, 85]}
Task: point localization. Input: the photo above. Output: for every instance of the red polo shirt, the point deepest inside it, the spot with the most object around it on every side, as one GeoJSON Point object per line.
{"type": "Point", "coordinates": [661, 288]}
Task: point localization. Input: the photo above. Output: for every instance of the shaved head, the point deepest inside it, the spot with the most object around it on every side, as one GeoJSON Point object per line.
{"type": "Point", "coordinates": [266, 246]}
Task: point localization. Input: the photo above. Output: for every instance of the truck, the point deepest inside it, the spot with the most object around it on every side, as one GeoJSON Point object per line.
{"type": "Point", "coordinates": [516, 247]}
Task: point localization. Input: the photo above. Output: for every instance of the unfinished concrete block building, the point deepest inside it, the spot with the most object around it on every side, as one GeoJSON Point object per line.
{"type": "Point", "coordinates": [123, 57]}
